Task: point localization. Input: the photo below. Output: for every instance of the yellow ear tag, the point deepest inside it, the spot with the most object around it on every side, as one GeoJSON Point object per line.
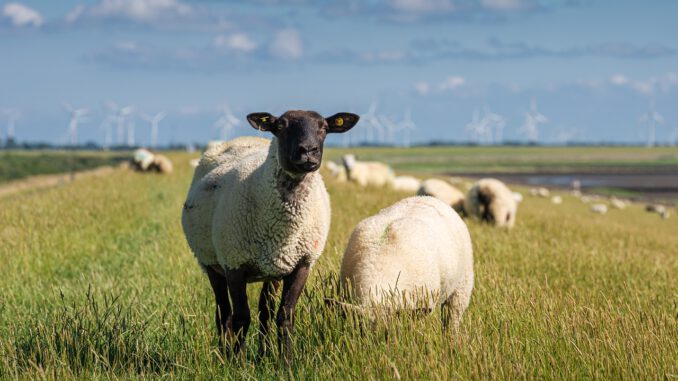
{"type": "Point", "coordinates": [339, 122]}
{"type": "Point", "coordinates": [263, 119]}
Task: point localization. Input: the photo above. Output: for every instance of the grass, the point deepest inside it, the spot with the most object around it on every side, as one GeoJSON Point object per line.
{"type": "Point", "coordinates": [98, 283]}
{"type": "Point", "coordinates": [15, 165]}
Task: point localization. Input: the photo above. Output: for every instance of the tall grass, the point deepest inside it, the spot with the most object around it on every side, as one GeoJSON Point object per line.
{"type": "Point", "coordinates": [97, 282]}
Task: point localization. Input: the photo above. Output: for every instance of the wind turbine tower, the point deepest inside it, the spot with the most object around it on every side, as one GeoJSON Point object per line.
{"type": "Point", "coordinates": [226, 122]}
{"type": "Point", "coordinates": [76, 116]}
{"type": "Point", "coordinates": [533, 118]}
{"type": "Point", "coordinates": [154, 121]}
{"type": "Point", "coordinates": [651, 118]}
{"type": "Point", "coordinates": [12, 115]}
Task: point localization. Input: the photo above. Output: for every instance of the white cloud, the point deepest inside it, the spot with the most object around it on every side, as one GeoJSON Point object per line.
{"type": "Point", "coordinates": [134, 10]}
{"type": "Point", "coordinates": [422, 5]}
{"type": "Point", "coordinates": [286, 45]}
{"type": "Point", "coordinates": [422, 87]}
{"type": "Point", "coordinates": [619, 79]}
{"type": "Point", "coordinates": [235, 41]}
{"type": "Point", "coordinates": [21, 15]}
{"type": "Point", "coordinates": [647, 86]}
{"type": "Point", "coordinates": [383, 56]}
{"type": "Point", "coordinates": [451, 83]}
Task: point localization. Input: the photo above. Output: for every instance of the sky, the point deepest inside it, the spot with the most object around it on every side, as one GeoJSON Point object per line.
{"type": "Point", "coordinates": [547, 71]}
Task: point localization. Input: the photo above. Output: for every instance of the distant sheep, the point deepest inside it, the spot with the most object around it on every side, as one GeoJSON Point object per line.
{"type": "Point", "coordinates": [338, 172]}
{"type": "Point", "coordinates": [518, 197]}
{"type": "Point", "coordinates": [144, 160]}
{"type": "Point", "coordinates": [556, 200]}
{"type": "Point", "coordinates": [444, 192]}
{"type": "Point", "coordinates": [492, 201]}
{"type": "Point", "coordinates": [540, 192]}
{"type": "Point", "coordinates": [617, 203]}
{"type": "Point", "coordinates": [662, 210]}
{"type": "Point", "coordinates": [161, 164]}
{"type": "Point", "coordinates": [406, 184]}
{"type": "Point", "coordinates": [599, 208]}
{"type": "Point", "coordinates": [366, 173]}
{"type": "Point", "coordinates": [413, 255]}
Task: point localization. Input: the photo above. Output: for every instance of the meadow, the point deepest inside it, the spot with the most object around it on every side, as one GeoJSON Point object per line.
{"type": "Point", "coordinates": [15, 164]}
{"type": "Point", "coordinates": [98, 283]}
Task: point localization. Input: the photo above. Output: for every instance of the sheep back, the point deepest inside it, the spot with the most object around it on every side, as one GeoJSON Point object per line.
{"type": "Point", "coordinates": [444, 192]}
{"type": "Point", "coordinates": [491, 200]}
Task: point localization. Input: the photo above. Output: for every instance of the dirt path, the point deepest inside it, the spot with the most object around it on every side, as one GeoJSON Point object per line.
{"type": "Point", "coordinates": [44, 181]}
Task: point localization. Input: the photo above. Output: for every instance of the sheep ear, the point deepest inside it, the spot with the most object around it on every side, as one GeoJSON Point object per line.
{"type": "Point", "coordinates": [341, 122]}
{"type": "Point", "coordinates": [262, 121]}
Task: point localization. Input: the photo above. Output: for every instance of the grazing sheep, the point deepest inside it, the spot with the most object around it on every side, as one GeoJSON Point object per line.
{"type": "Point", "coordinates": [257, 210]}
{"type": "Point", "coordinates": [161, 164]}
{"type": "Point", "coordinates": [659, 209]}
{"type": "Point", "coordinates": [518, 197]}
{"type": "Point", "coordinates": [415, 254]}
{"type": "Point", "coordinates": [142, 159]}
{"type": "Point", "coordinates": [492, 201]}
{"type": "Point", "coordinates": [541, 192]}
{"type": "Point", "coordinates": [406, 184]}
{"type": "Point", "coordinates": [617, 203]}
{"type": "Point", "coordinates": [338, 172]}
{"type": "Point", "coordinates": [444, 192]}
{"type": "Point", "coordinates": [367, 172]}
{"type": "Point", "coordinates": [599, 208]}
{"type": "Point", "coordinates": [557, 200]}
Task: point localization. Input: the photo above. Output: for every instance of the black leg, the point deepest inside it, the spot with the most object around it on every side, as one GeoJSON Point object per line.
{"type": "Point", "coordinates": [223, 306]}
{"type": "Point", "coordinates": [266, 306]}
{"type": "Point", "coordinates": [237, 288]}
{"type": "Point", "coordinates": [293, 285]}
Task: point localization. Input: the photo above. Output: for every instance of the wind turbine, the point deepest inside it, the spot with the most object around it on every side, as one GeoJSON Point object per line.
{"type": "Point", "coordinates": [476, 127]}
{"type": "Point", "coordinates": [226, 122]}
{"type": "Point", "coordinates": [154, 121]}
{"type": "Point", "coordinates": [651, 118]}
{"type": "Point", "coordinates": [407, 126]}
{"type": "Point", "coordinates": [373, 123]}
{"type": "Point", "coordinates": [490, 120]}
{"type": "Point", "coordinates": [533, 119]}
{"type": "Point", "coordinates": [121, 114]}
{"type": "Point", "coordinates": [77, 115]}
{"type": "Point", "coordinates": [12, 115]}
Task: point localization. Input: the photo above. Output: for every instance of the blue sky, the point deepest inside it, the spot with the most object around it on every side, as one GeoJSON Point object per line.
{"type": "Point", "coordinates": [593, 67]}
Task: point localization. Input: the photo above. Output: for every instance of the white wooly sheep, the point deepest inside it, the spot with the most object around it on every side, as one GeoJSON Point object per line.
{"type": "Point", "coordinates": [194, 163]}
{"type": "Point", "coordinates": [142, 159]}
{"type": "Point", "coordinates": [540, 192]}
{"type": "Point", "coordinates": [492, 201]}
{"type": "Point", "coordinates": [444, 192]}
{"type": "Point", "coordinates": [337, 171]}
{"type": "Point", "coordinates": [518, 197]}
{"type": "Point", "coordinates": [618, 204]}
{"type": "Point", "coordinates": [236, 182]}
{"type": "Point", "coordinates": [557, 200]}
{"type": "Point", "coordinates": [662, 210]}
{"type": "Point", "coordinates": [415, 254]}
{"type": "Point", "coordinates": [366, 173]}
{"type": "Point", "coordinates": [406, 184]}
{"type": "Point", "coordinates": [599, 208]}
{"type": "Point", "coordinates": [161, 164]}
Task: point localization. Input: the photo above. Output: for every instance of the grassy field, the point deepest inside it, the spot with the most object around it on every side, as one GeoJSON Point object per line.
{"type": "Point", "coordinates": [98, 283]}
{"type": "Point", "coordinates": [15, 165]}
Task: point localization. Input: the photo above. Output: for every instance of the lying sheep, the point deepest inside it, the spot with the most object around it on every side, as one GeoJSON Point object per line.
{"type": "Point", "coordinates": [144, 160]}
{"type": "Point", "coordinates": [161, 164]}
{"type": "Point", "coordinates": [367, 172]}
{"type": "Point", "coordinates": [415, 254]}
{"type": "Point", "coordinates": [492, 201]}
{"type": "Point", "coordinates": [338, 172]}
{"type": "Point", "coordinates": [617, 203]}
{"type": "Point", "coordinates": [257, 210]}
{"type": "Point", "coordinates": [599, 208]}
{"type": "Point", "coordinates": [556, 200]}
{"type": "Point", "coordinates": [540, 192]}
{"type": "Point", "coordinates": [406, 184]}
{"type": "Point", "coordinates": [444, 192]}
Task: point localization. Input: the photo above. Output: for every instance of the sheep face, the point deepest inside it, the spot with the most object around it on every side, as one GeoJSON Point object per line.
{"type": "Point", "coordinates": [301, 136]}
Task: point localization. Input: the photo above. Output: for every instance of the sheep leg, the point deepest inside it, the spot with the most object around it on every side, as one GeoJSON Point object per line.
{"type": "Point", "coordinates": [237, 288]}
{"type": "Point", "coordinates": [451, 310]}
{"type": "Point", "coordinates": [266, 305]}
{"type": "Point", "coordinates": [293, 285]}
{"type": "Point", "coordinates": [223, 306]}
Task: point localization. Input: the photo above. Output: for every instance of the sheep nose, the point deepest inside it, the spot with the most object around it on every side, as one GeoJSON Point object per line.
{"type": "Point", "coordinates": [306, 153]}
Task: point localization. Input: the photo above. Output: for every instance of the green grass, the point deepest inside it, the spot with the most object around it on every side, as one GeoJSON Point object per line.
{"type": "Point", "coordinates": [98, 283]}
{"type": "Point", "coordinates": [518, 159]}
{"type": "Point", "coordinates": [15, 165]}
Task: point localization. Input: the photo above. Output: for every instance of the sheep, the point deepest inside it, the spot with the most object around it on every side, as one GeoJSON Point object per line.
{"type": "Point", "coordinates": [338, 172]}
{"type": "Point", "coordinates": [518, 197]}
{"type": "Point", "coordinates": [556, 200]}
{"type": "Point", "coordinates": [599, 208]}
{"type": "Point", "coordinates": [659, 209]}
{"type": "Point", "coordinates": [541, 192]}
{"type": "Point", "coordinates": [443, 191]}
{"type": "Point", "coordinates": [367, 173]}
{"type": "Point", "coordinates": [617, 203]}
{"type": "Point", "coordinates": [142, 159]}
{"type": "Point", "coordinates": [194, 163]}
{"type": "Point", "coordinates": [406, 184]}
{"type": "Point", "coordinates": [258, 211]}
{"type": "Point", "coordinates": [492, 201]}
{"type": "Point", "coordinates": [161, 164]}
{"type": "Point", "coordinates": [415, 254]}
